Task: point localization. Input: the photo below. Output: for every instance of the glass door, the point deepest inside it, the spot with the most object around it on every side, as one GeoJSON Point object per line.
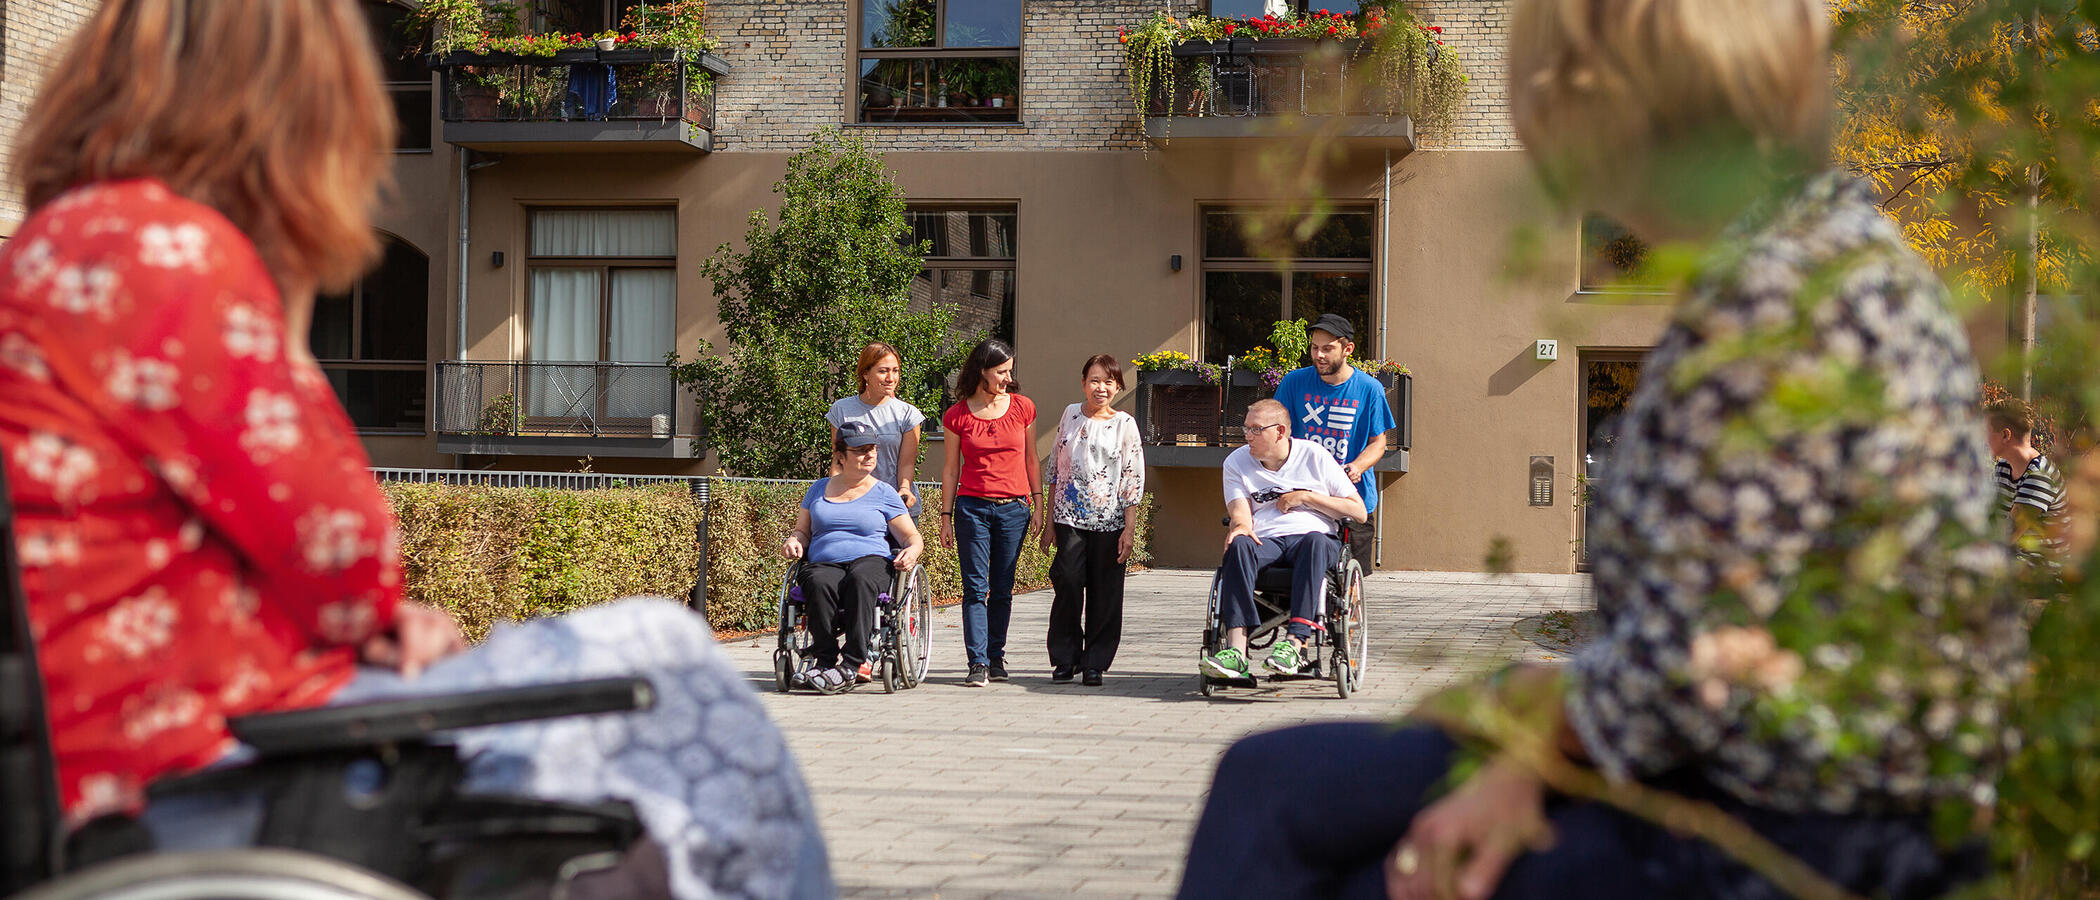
{"type": "Point", "coordinates": [1608, 379]}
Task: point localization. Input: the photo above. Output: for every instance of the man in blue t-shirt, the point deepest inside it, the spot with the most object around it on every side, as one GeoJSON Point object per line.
{"type": "Point", "coordinates": [1344, 410]}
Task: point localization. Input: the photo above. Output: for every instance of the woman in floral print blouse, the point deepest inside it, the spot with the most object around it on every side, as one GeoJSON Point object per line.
{"type": "Point", "coordinates": [1802, 620]}
{"type": "Point", "coordinates": [199, 533]}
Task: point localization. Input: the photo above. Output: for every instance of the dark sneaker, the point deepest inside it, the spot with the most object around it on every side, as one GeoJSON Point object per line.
{"type": "Point", "coordinates": [1284, 658]}
{"type": "Point", "coordinates": [1093, 678]}
{"type": "Point", "coordinates": [998, 670]}
{"type": "Point", "coordinates": [976, 678]}
{"type": "Point", "coordinates": [1061, 675]}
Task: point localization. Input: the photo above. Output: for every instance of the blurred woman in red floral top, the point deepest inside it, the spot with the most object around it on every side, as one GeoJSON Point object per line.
{"type": "Point", "coordinates": [174, 453]}
{"type": "Point", "coordinates": [199, 533]}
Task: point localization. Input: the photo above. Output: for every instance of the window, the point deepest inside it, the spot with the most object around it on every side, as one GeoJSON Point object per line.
{"type": "Point", "coordinates": [969, 265]}
{"type": "Point", "coordinates": [585, 17]}
{"type": "Point", "coordinates": [407, 78]}
{"type": "Point", "coordinates": [939, 61]}
{"type": "Point", "coordinates": [371, 342]}
{"type": "Point", "coordinates": [1242, 9]}
{"type": "Point", "coordinates": [602, 290]}
{"type": "Point", "coordinates": [1249, 282]}
{"type": "Point", "coordinates": [1614, 260]}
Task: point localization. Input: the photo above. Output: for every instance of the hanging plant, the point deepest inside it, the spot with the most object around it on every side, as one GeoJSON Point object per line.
{"type": "Point", "coordinates": [1148, 60]}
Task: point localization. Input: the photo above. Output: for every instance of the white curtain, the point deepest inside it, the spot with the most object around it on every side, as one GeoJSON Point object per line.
{"type": "Point", "coordinates": [564, 328]}
{"type": "Point", "coordinates": [642, 330]}
{"type": "Point", "coordinates": [604, 232]}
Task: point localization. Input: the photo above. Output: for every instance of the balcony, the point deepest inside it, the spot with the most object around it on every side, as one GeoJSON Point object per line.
{"type": "Point", "coordinates": [581, 101]}
{"type": "Point", "coordinates": [560, 408]}
{"type": "Point", "coordinates": [1185, 419]}
{"type": "Point", "coordinates": [1234, 90]}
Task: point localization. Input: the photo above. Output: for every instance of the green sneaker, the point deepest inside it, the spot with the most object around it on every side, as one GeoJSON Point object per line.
{"type": "Point", "coordinates": [1227, 663]}
{"type": "Point", "coordinates": [1284, 658]}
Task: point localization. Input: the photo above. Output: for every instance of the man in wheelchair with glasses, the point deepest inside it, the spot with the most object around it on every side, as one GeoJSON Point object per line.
{"type": "Point", "coordinates": [1284, 498]}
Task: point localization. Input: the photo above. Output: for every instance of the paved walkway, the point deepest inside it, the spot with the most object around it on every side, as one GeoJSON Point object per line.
{"type": "Point", "coordinates": [1030, 789]}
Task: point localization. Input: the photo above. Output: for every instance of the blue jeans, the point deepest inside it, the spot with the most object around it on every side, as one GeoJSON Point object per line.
{"type": "Point", "coordinates": [1311, 557]}
{"type": "Point", "coordinates": [1353, 788]}
{"type": "Point", "coordinates": [988, 538]}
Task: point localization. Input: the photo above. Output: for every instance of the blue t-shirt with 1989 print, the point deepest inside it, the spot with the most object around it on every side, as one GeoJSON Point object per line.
{"type": "Point", "coordinates": [1343, 418]}
{"type": "Point", "coordinates": [844, 532]}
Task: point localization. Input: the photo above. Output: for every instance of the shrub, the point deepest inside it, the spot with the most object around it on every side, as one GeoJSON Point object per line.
{"type": "Point", "coordinates": [491, 554]}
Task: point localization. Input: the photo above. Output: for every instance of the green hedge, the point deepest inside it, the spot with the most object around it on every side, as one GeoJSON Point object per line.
{"type": "Point", "coordinates": [500, 554]}
{"type": "Point", "coordinates": [496, 554]}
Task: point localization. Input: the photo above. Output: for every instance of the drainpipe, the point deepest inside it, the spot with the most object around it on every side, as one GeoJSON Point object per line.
{"type": "Point", "coordinates": [459, 341]}
{"type": "Point", "coordinates": [1385, 268]}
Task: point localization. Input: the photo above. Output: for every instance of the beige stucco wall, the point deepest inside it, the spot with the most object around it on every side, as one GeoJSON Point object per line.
{"type": "Point", "coordinates": [1094, 236]}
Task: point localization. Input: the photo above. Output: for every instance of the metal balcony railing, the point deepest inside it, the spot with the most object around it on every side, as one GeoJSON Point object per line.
{"type": "Point", "coordinates": [581, 86]}
{"type": "Point", "coordinates": [1275, 77]}
{"type": "Point", "coordinates": [556, 399]}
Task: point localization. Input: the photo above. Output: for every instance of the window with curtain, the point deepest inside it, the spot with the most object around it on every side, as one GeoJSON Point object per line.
{"type": "Point", "coordinates": [407, 78]}
{"type": "Point", "coordinates": [602, 300]}
{"type": "Point", "coordinates": [1257, 271]}
{"type": "Point", "coordinates": [938, 61]}
{"type": "Point", "coordinates": [371, 342]}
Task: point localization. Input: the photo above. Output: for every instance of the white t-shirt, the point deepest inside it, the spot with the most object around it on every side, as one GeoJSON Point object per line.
{"type": "Point", "coordinates": [1309, 468]}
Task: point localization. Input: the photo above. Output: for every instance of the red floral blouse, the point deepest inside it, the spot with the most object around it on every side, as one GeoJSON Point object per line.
{"type": "Point", "coordinates": [198, 533]}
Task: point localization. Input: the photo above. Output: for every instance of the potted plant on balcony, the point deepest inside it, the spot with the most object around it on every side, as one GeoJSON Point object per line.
{"type": "Point", "coordinates": [1179, 399]}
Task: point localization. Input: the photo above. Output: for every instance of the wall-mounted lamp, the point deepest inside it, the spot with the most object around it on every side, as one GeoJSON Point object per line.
{"type": "Point", "coordinates": [1174, 262]}
{"type": "Point", "coordinates": [496, 259]}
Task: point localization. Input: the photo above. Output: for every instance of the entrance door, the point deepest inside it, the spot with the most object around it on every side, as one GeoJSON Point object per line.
{"type": "Point", "coordinates": [1608, 377]}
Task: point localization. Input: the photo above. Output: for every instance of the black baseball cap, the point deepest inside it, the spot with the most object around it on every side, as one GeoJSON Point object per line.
{"type": "Point", "coordinates": [857, 434]}
{"type": "Point", "coordinates": [1334, 325]}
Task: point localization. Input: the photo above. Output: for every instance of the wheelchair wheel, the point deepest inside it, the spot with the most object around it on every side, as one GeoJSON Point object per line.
{"type": "Point", "coordinates": [794, 639]}
{"type": "Point", "coordinates": [911, 646]}
{"type": "Point", "coordinates": [1204, 684]}
{"type": "Point", "coordinates": [250, 874]}
{"type": "Point", "coordinates": [1352, 641]}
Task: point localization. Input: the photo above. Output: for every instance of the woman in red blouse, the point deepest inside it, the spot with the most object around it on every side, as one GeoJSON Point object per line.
{"type": "Point", "coordinates": [199, 534]}
{"type": "Point", "coordinates": [990, 483]}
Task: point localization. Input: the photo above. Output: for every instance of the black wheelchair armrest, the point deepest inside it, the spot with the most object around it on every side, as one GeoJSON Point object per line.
{"type": "Point", "coordinates": [391, 721]}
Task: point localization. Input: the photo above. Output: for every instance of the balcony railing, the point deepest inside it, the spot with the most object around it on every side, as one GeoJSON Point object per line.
{"type": "Point", "coordinates": [1235, 88]}
{"type": "Point", "coordinates": [556, 399]}
{"type": "Point", "coordinates": [578, 99]}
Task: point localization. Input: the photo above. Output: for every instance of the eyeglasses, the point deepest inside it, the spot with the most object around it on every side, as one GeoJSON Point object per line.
{"type": "Point", "coordinates": [1251, 430]}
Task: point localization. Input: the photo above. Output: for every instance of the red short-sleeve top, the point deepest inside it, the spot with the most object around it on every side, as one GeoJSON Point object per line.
{"type": "Point", "coordinates": [199, 535]}
{"type": "Point", "coordinates": [994, 451]}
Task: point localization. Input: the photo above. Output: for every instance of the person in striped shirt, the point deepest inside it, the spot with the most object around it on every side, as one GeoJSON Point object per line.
{"type": "Point", "coordinates": [2030, 487]}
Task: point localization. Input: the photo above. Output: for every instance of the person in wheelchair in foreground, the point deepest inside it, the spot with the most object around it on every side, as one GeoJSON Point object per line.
{"type": "Point", "coordinates": [1285, 498]}
{"type": "Point", "coordinates": [842, 536]}
{"type": "Point", "coordinates": [202, 544]}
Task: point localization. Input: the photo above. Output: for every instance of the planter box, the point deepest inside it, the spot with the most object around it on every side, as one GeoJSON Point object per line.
{"type": "Point", "coordinates": [1178, 407]}
{"type": "Point", "coordinates": [1236, 46]}
{"type": "Point", "coordinates": [1400, 395]}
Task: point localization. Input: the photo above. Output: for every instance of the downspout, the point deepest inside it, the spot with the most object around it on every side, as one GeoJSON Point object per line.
{"type": "Point", "coordinates": [1385, 267]}
{"type": "Point", "coordinates": [459, 341]}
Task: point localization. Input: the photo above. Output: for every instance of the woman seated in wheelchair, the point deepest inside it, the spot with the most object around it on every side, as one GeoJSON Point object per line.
{"type": "Point", "coordinates": [842, 536]}
{"type": "Point", "coordinates": [1286, 497]}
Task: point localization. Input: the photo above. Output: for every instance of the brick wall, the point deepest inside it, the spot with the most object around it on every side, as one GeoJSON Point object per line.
{"type": "Point", "coordinates": [791, 68]}
{"type": "Point", "coordinates": [35, 32]}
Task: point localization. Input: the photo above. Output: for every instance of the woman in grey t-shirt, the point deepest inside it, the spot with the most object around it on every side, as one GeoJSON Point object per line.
{"type": "Point", "coordinates": [895, 422]}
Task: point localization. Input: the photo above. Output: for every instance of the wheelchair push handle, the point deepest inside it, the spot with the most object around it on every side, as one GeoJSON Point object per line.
{"type": "Point", "coordinates": [418, 718]}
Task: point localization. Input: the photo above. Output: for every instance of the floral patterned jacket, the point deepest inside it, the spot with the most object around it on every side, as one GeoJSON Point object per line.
{"type": "Point", "coordinates": [1793, 554]}
{"type": "Point", "coordinates": [199, 534]}
{"type": "Point", "coordinates": [1095, 471]}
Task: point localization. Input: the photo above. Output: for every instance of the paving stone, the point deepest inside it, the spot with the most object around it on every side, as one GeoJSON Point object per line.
{"type": "Point", "coordinates": [1034, 789]}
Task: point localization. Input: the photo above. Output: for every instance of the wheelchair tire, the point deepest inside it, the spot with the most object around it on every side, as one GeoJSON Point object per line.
{"type": "Point", "coordinates": [1352, 641]}
{"type": "Point", "coordinates": [263, 873]}
{"type": "Point", "coordinates": [788, 656]}
{"type": "Point", "coordinates": [783, 670]}
{"type": "Point", "coordinates": [914, 647]}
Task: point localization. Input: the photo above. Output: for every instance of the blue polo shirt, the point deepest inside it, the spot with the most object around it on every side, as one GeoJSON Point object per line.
{"type": "Point", "coordinates": [1343, 418]}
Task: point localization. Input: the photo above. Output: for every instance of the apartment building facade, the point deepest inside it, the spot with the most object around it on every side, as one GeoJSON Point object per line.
{"type": "Point", "coordinates": [541, 262]}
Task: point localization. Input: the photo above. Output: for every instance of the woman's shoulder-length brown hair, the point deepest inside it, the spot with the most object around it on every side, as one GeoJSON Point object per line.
{"type": "Point", "coordinates": [269, 111]}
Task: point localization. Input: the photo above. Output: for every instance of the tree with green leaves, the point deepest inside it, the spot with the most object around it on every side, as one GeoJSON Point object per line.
{"type": "Point", "coordinates": [811, 287]}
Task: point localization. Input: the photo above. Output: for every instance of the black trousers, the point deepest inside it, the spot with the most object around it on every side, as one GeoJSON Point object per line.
{"type": "Point", "coordinates": [842, 593]}
{"type": "Point", "coordinates": [1089, 583]}
{"type": "Point", "coordinates": [1360, 536]}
